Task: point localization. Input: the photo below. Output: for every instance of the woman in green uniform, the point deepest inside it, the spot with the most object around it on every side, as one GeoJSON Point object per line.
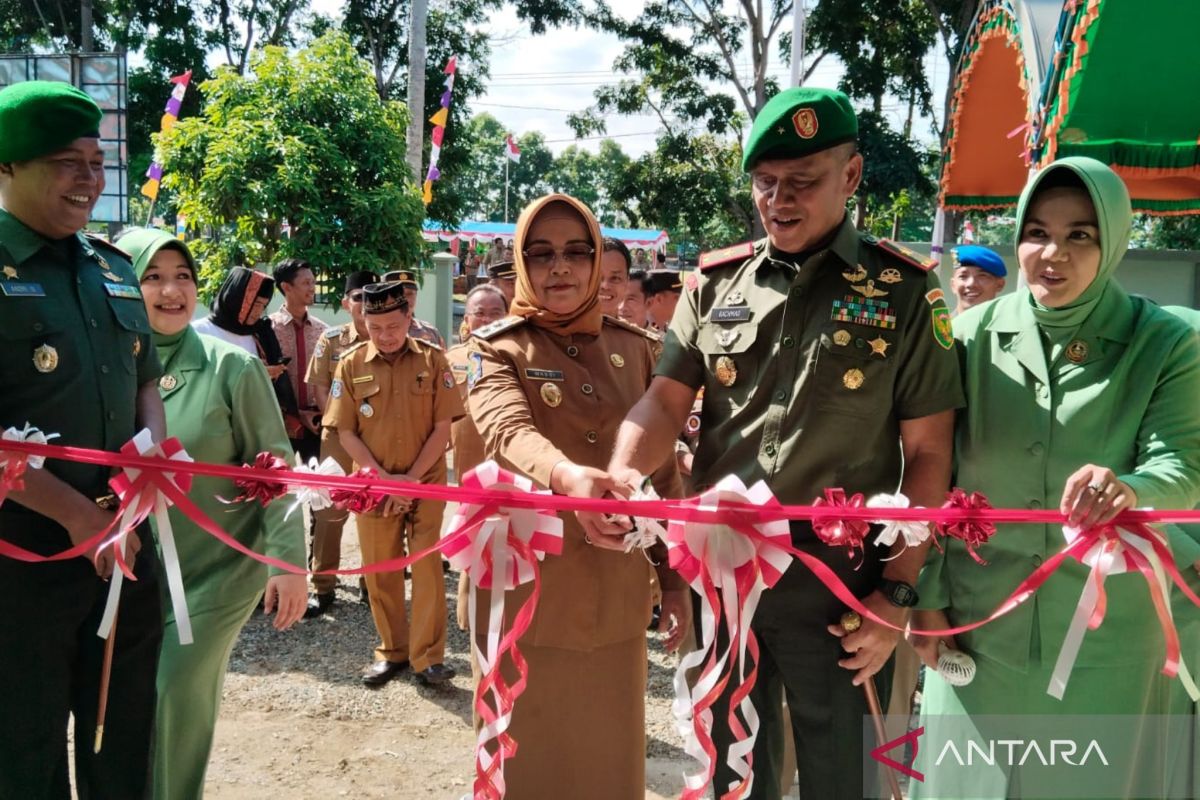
{"type": "Point", "coordinates": [1079, 398]}
{"type": "Point", "coordinates": [221, 407]}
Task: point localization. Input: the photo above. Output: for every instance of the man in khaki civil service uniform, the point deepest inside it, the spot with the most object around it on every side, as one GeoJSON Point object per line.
{"type": "Point", "coordinates": [76, 359]}
{"type": "Point", "coordinates": [328, 523]}
{"type": "Point", "coordinates": [392, 402]}
{"type": "Point", "coordinates": [826, 361]}
{"type": "Point", "coordinates": [420, 329]}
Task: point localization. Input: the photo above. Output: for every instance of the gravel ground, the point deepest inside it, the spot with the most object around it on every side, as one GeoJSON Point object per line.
{"type": "Point", "coordinates": [296, 719]}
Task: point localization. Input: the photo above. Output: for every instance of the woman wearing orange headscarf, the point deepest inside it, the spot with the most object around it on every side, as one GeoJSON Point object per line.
{"type": "Point", "coordinates": [549, 386]}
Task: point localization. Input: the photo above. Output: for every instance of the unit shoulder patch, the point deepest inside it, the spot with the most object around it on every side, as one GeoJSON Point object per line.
{"type": "Point", "coordinates": [499, 326]}
{"type": "Point", "coordinates": [908, 256]}
{"type": "Point", "coordinates": [737, 252]}
{"type": "Point", "coordinates": [629, 326]}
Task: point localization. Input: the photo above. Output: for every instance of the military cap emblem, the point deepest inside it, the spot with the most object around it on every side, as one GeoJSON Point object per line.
{"type": "Point", "coordinates": [805, 122]}
{"type": "Point", "coordinates": [841, 337]}
{"type": "Point", "coordinates": [168, 382]}
{"type": "Point", "coordinates": [45, 359]}
{"type": "Point", "coordinates": [853, 379]}
{"type": "Point", "coordinates": [617, 360]}
{"type": "Point", "coordinates": [1077, 351]}
{"type": "Point", "coordinates": [551, 394]}
{"type": "Point", "coordinates": [726, 371]}
{"type": "Point", "coordinates": [891, 275]}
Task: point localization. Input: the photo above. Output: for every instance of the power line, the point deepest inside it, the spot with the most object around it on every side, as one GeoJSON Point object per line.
{"type": "Point", "coordinates": [605, 136]}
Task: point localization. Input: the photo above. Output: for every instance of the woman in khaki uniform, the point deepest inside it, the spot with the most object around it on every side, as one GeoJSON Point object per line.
{"type": "Point", "coordinates": [549, 387]}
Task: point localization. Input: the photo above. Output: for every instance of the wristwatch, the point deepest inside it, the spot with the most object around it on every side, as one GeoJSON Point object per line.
{"type": "Point", "coordinates": [899, 593]}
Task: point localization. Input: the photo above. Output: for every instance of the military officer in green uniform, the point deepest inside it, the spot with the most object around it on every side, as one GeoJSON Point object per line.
{"type": "Point", "coordinates": [76, 359]}
{"type": "Point", "coordinates": [826, 360]}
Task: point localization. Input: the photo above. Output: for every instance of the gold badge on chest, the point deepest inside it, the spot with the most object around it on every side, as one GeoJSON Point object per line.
{"type": "Point", "coordinates": [856, 274]}
{"type": "Point", "coordinates": [137, 347]}
{"type": "Point", "coordinates": [853, 379]}
{"type": "Point", "coordinates": [841, 337]}
{"type": "Point", "coordinates": [551, 394]}
{"type": "Point", "coordinates": [617, 360]}
{"type": "Point", "coordinates": [726, 371]}
{"type": "Point", "coordinates": [1077, 351]}
{"type": "Point", "coordinates": [868, 290]}
{"type": "Point", "coordinates": [10, 272]}
{"type": "Point", "coordinates": [45, 359]}
{"type": "Point", "coordinates": [890, 275]}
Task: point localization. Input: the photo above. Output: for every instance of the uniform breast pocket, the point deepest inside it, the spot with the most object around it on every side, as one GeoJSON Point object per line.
{"type": "Point", "coordinates": [132, 324]}
{"type": "Point", "coordinates": [732, 363]}
{"type": "Point", "coordinates": [33, 339]}
{"type": "Point", "coordinates": [422, 384]}
{"type": "Point", "coordinates": [854, 374]}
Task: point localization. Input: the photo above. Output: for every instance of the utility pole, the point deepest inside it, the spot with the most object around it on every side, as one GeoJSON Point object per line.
{"type": "Point", "coordinates": [85, 26]}
{"type": "Point", "coordinates": [799, 18]}
{"type": "Point", "coordinates": [416, 88]}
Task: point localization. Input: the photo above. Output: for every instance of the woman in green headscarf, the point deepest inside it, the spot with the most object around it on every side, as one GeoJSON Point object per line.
{"type": "Point", "coordinates": [1079, 398]}
{"type": "Point", "coordinates": [221, 407]}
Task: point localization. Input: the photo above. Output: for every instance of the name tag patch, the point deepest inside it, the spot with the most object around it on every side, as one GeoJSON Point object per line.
{"type": "Point", "coordinates": [363, 379]}
{"type": "Point", "coordinates": [863, 311]}
{"type": "Point", "coordinates": [122, 290]}
{"type": "Point", "coordinates": [730, 314]}
{"type": "Point", "coordinates": [544, 374]}
{"type": "Point", "coordinates": [15, 289]}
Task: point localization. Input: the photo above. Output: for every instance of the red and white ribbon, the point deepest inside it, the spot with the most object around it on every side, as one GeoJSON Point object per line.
{"type": "Point", "coordinates": [316, 497]}
{"type": "Point", "coordinates": [140, 497]}
{"type": "Point", "coordinates": [1113, 551]}
{"type": "Point", "coordinates": [729, 566]}
{"type": "Point", "coordinates": [12, 465]}
{"type": "Point", "coordinates": [499, 549]}
{"type": "Point", "coordinates": [911, 533]}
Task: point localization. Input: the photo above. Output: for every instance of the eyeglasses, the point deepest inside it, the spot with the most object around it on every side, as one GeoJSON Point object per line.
{"type": "Point", "coordinates": [572, 254]}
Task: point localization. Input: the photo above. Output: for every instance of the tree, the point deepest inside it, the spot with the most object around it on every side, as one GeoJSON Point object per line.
{"type": "Point", "coordinates": [596, 179]}
{"type": "Point", "coordinates": [303, 140]}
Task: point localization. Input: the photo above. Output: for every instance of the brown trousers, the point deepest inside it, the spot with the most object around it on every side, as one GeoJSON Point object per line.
{"type": "Point", "coordinates": [381, 538]}
{"type": "Point", "coordinates": [327, 524]}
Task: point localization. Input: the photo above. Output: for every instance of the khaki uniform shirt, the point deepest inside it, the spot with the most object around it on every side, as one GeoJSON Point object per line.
{"type": "Point", "coordinates": [75, 348]}
{"type": "Point", "coordinates": [333, 343]}
{"type": "Point", "coordinates": [420, 329]}
{"type": "Point", "coordinates": [464, 436]}
{"type": "Point", "coordinates": [539, 398]}
{"type": "Point", "coordinates": [808, 369]}
{"type": "Point", "coordinates": [393, 405]}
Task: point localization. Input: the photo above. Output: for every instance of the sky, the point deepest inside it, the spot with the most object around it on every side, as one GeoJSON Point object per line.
{"type": "Point", "coordinates": [537, 81]}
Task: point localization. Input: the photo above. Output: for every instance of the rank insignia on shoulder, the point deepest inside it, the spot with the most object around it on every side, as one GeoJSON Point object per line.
{"type": "Point", "coordinates": [907, 255]}
{"type": "Point", "coordinates": [629, 326]}
{"type": "Point", "coordinates": [334, 331]}
{"type": "Point", "coordinates": [500, 325]}
{"type": "Point", "coordinates": [737, 252]}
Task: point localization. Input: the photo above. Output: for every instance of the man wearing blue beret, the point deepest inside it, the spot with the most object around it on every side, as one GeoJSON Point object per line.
{"type": "Point", "coordinates": [76, 360]}
{"type": "Point", "coordinates": [978, 276]}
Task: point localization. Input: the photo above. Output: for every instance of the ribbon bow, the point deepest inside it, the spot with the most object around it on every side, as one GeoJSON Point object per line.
{"type": "Point", "coordinates": [840, 532]}
{"type": "Point", "coordinates": [141, 493]}
{"type": "Point", "coordinates": [646, 531]}
{"type": "Point", "coordinates": [318, 498]}
{"type": "Point", "coordinates": [260, 490]}
{"type": "Point", "coordinates": [913, 533]}
{"type": "Point", "coordinates": [741, 561]}
{"type": "Point", "coordinates": [972, 533]}
{"type": "Point", "coordinates": [499, 549]}
{"type": "Point", "coordinates": [357, 501]}
{"type": "Point", "coordinates": [12, 465]}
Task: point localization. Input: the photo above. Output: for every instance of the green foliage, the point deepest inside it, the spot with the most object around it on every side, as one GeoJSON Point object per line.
{"type": "Point", "coordinates": [596, 179]}
{"type": "Point", "coordinates": [1167, 233]}
{"type": "Point", "coordinates": [303, 139]}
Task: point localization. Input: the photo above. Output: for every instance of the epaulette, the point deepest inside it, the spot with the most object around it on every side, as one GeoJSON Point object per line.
{"type": "Point", "coordinates": [334, 331]}
{"type": "Point", "coordinates": [354, 347]}
{"type": "Point", "coordinates": [629, 326]}
{"type": "Point", "coordinates": [95, 239]}
{"type": "Point", "coordinates": [903, 253]}
{"type": "Point", "coordinates": [499, 326]}
{"type": "Point", "coordinates": [736, 252]}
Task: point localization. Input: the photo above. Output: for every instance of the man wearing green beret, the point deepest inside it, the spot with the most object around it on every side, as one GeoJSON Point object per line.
{"type": "Point", "coordinates": [76, 360]}
{"type": "Point", "coordinates": [826, 361]}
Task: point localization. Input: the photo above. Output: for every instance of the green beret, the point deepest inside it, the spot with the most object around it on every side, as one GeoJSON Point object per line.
{"type": "Point", "coordinates": [40, 117]}
{"type": "Point", "coordinates": [799, 122]}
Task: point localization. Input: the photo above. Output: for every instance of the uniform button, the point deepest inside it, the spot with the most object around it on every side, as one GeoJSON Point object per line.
{"type": "Point", "coordinates": [1035, 503]}
{"type": "Point", "coordinates": [781, 395]}
{"type": "Point", "coordinates": [1037, 560]}
{"type": "Point", "coordinates": [1037, 448]}
{"type": "Point", "coordinates": [586, 388]}
{"type": "Point", "coordinates": [104, 368]}
{"type": "Point", "coordinates": [769, 449]}
{"type": "Point", "coordinates": [788, 341]}
{"type": "Point", "coordinates": [572, 351]}
{"type": "Point", "coordinates": [860, 343]}
{"type": "Point", "coordinates": [112, 415]}
{"type": "Point", "coordinates": [79, 281]}
{"type": "Point", "coordinates": [592, 437]}
{"type": "Point", "coordinates": [95, 324]}
{"type": "Point", "coordinates": [37, 327]}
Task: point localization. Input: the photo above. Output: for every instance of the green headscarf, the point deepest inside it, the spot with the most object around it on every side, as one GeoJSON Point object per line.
{"type": "Point", "coordinates": [142, 244]}
{"type": "Point", "coordinates": [1114, 215]}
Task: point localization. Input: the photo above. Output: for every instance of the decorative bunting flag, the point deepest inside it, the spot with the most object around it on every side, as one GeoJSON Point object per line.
{"type": "Point", "coordinates": [150, 187]}
{"type": "Point", "coordinates": [439, 121]}
{"type": "Point", "coordinates": [511, 150]}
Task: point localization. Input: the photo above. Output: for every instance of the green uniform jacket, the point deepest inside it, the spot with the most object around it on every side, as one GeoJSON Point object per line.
{"type": "Point", "coordinates": [222, 408]}
{"type": "Point", "coordinates": [74, 348]}
{"type": "Point", "coordinates": [1130, 405]}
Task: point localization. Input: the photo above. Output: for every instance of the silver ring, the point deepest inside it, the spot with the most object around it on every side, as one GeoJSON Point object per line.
{"type": "Point", "coordinates": [1096, 487]}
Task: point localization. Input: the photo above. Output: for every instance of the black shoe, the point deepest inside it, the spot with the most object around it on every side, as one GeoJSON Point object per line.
{"type": "Point", "coordinates": [318, 604]}
{"type": "Point", "coordinates": [435, 674]}
{"type": "Point", "coordinates": [363, 595]}
{"type": "Point", "coordinates": [655, 616]}
{"type": "Point", "coordinates": [381, 672]}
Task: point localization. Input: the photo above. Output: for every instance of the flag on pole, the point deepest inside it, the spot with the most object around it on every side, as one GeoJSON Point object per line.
{"type": "Point", "coordinates": [170, 114]}
{"type": "Point", "coordinates": [511, 150]}
{"type": "Point", "coordinates": [439, 120]}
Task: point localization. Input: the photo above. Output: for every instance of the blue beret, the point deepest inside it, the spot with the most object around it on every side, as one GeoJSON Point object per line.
{"type": "Point", "coordinates": [973, 255]}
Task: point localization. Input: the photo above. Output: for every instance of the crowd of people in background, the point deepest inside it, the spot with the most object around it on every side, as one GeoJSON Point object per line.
{"type": "Point", "coordinates": [816, 357]}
